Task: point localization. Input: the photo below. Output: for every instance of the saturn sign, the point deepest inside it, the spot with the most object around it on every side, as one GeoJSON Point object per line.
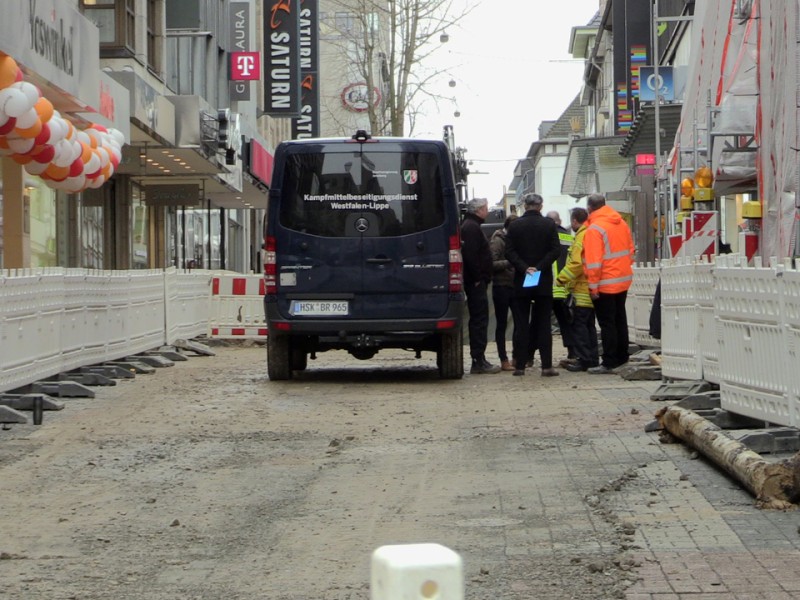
{"type": "Point", "coordinates": [355, 97]}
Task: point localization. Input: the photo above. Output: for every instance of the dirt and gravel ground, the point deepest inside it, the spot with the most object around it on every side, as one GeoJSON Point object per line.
{"type": "Point", "coordinates": [207, 481]}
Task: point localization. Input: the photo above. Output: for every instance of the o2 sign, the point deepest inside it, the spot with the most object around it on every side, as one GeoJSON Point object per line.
{"type": "Point", "coordinates": [648, 84]}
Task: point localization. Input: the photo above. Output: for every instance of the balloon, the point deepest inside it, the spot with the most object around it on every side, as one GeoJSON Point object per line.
{"type": "Point", "coordinates": [96, 182]}
{"type": "Point", "coordinates": [27, 119]}
{"type": "Point", "coordinates": [30, 132]}
{"type": "Point", "coordinates": [13, 102]}
{"type": "Point", "coordinates": [8, 71]}
{"type": "Point", "coordinates": [21, 159]}
{"type": "Point", "coordinates": [31, 92]}
{"type": "Point", "coordinates": [35, 167]}
{"type": "Point", "coordinates": [9, 125]}
{"type": "Point", "coordinates": [118, 137]}
{"type": "Point", "coordinates": [20, 145]}
{"type": "Point", "coordinates": [45, 155]}
{"type": "Point", "coordinates": [56, 173]}
{"type": "Point", "coordinates": [93, 165]}
{"type": "Point", "coordinates": [43, 137]}
{"type": "Point", "coordinates": [75, 184]}
{"type": "Point", "coordinates": [76, 168]}
{"type": "Point", "coordinates": [44, 108]}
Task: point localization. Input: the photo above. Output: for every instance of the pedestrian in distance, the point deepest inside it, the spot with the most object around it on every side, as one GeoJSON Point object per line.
{"type": "Point", "coordinates": [573, 278]}
{"type": "Point", "coordinates": [531, 247]}
{"type": "Point", "coordinates": [609, 255]}
{"type": "Point", "coordinates": [502, 290]}
{"type": "Point", "coordinates": [477, 275]}
{"type": "Point", "coordinates": [561, 297]}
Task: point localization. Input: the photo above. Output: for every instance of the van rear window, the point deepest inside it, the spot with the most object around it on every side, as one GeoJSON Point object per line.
{"type": "Point", "coordinates": [325, 192]}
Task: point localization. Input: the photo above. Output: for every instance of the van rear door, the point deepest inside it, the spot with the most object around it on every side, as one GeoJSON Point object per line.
{"type": "Point", "coordinates": [365, 226]}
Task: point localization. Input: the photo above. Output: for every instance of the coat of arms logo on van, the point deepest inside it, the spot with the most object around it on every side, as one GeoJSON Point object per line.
{"type": "Point", "coordinates": [410, 176]}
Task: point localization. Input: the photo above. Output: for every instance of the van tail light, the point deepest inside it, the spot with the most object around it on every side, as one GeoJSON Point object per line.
{"type": "Point", "coordinates": [270, 267]}
{"type": "Point", "coordinates": [455, 265]}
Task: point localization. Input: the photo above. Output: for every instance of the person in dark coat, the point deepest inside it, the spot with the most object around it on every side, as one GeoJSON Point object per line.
{"type": "Point", "coordinates": [477, 275]}
{"type": "Point", "coordinates": [502, 290]}
{"type": "Point", "coordinates": [532, 245]}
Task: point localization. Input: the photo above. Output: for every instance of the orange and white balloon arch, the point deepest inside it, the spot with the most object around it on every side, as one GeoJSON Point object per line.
{"type": "Point", "coordinates": [36, 136]}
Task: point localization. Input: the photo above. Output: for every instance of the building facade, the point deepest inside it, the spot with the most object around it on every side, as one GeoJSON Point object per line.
{"type": "Point", "coordinates": [189, 186]}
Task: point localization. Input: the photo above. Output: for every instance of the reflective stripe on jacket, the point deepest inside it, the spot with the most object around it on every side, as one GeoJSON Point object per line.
{"type": "Point", "coordinates": [565, 239]}
{"type": "Point", "coordinates": [573, 275]}
{"type": "Point", "coordinates": [608, 252]}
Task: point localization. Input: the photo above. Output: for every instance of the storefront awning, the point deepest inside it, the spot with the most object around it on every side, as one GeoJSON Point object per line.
{"type": "Point", "coordinates": [594, 165]}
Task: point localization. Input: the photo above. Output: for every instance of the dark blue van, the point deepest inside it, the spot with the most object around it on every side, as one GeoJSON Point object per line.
{"type": "Point", "coordinates": [363, 252]}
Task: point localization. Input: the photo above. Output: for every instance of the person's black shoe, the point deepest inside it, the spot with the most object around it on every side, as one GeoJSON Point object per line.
{"type": "Point", "coordinates": [550, 372]}
{"type": "Point", "coordinates": [600, 370]}
{"type": "Point", "coordinates": [483, 367]}
{"type": "Point", "coordinates": [519, 372]}
{"type": "Point", "coordinates": [576, 367]}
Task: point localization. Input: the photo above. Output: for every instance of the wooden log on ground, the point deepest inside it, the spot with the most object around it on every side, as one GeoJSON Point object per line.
{"type": "Point", "coordinates": [773, 484]}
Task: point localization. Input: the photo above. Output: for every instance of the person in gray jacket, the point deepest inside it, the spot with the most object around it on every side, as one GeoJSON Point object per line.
{"type": "Point", "coordinates": [502, 290]}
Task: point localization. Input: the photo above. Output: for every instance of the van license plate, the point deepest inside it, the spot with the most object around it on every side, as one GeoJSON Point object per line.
{"type": "Point", "coordinates": [317, 308]}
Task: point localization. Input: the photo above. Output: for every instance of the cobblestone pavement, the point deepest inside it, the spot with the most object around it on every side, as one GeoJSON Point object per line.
{"type": "Point", "coordinates": [208, 481]}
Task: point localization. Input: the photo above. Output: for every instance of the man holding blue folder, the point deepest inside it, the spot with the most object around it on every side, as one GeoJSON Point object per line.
{"type": "Point", "coordinates": [532, 245]}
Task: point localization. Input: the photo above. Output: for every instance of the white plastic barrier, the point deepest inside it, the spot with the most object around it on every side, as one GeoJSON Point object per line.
{"type": "Point", "coordinates": [237, 307]}
{"type": "Point", "coordinates": [56, 320]}
{"type": "Point", "coordinates": [791, 321]}
{"type": "Point", "coordinates": [187, 303]}
{"type": "Point", "coordinates": [680, 321]}
{"type": "Point", "coordinates": [416, 571]}
{"type": "Point", "coordinates": [640, 304]}
{"type": "Point", "coordinates": [753, 352]}
{"type": "Point", "coordinates": [708, 338]}
{"type": "Point", "coordinates": [83, 324]}
{"type": "Point", "coordinates": [31, 307]}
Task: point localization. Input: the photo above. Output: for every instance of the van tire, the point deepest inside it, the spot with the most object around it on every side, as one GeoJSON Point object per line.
{"type": "Point", "coordinates": [450, 357]}
{"type": "Point", "coordinates": [299, 358]}
{"type": "Point", "coordinates": [278, 358]}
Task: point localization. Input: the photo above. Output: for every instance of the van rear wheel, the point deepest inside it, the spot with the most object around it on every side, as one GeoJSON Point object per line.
{"type": "Point", "coordinates": [450, 356]}
{"type": "Point", "coordinates": [299, 358]}
{"type": "Point", "coordinates": [278, 357]}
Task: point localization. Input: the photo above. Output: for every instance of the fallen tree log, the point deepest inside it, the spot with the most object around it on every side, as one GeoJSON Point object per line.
{"type": "Point", "coordinates": [775, 485]}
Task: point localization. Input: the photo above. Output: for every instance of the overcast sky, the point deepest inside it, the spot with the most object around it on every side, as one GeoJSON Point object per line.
{"type": "Point", "coordinates": [512, 70]}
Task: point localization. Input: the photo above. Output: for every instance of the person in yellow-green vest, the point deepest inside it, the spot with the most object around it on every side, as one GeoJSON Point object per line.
{"type": "Point", "coordinates": [561, 308]}
{"type": "Point", "coordinates": [573, 278]}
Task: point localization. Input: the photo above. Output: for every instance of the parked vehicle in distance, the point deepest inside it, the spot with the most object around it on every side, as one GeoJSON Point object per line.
{"type": "Point", "coordinates": [363, 252]}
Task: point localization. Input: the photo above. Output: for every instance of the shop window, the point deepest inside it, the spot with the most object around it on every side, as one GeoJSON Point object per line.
{"type": "Point", "coordinates": [42, 201]}
{"type": "Point", "coordinates": [140, 231]}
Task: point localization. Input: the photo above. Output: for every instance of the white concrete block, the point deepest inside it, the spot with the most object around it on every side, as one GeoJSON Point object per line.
{"type": "Point", "coordinates": [416, 572]}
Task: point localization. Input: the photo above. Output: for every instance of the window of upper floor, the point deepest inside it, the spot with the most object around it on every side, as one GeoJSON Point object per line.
{"type": "Point", "coordinates": [116, 22]}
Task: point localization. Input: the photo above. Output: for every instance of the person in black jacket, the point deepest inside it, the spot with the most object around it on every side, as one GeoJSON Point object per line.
{"type": "Point", "coordinates": [477, 276]}
{"type": "Point", "coordinates": [532, 245]}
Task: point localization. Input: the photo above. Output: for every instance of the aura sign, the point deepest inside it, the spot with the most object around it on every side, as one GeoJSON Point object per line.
{"type": "Point", "coordinates": [244, 63]}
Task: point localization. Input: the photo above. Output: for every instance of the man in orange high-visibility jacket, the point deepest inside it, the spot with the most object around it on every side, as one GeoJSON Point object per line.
{"type": "Point", "coordinates": [609, 254]}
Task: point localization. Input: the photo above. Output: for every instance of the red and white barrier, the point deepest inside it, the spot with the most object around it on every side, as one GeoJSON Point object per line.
{"type": "Point", "coordinates": [237, 307]}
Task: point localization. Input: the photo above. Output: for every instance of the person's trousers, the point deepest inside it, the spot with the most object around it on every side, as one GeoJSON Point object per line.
{"type": "Point", "coordinates": [478, 326]}
{"type": "Point", "coordinates": [613, 321]}
{"type": "Point", "coordinates": [564, 318]}
{"type": "Point", "coordinates": [532, 317]}
{"type": "Point", "coordinates": [501, 298]}
{"type": "Point", "coordinates": [584, 335]}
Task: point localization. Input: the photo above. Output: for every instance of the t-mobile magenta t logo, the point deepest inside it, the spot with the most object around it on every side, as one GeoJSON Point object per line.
{"type": "Point", "coordinates": [245, 66]}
